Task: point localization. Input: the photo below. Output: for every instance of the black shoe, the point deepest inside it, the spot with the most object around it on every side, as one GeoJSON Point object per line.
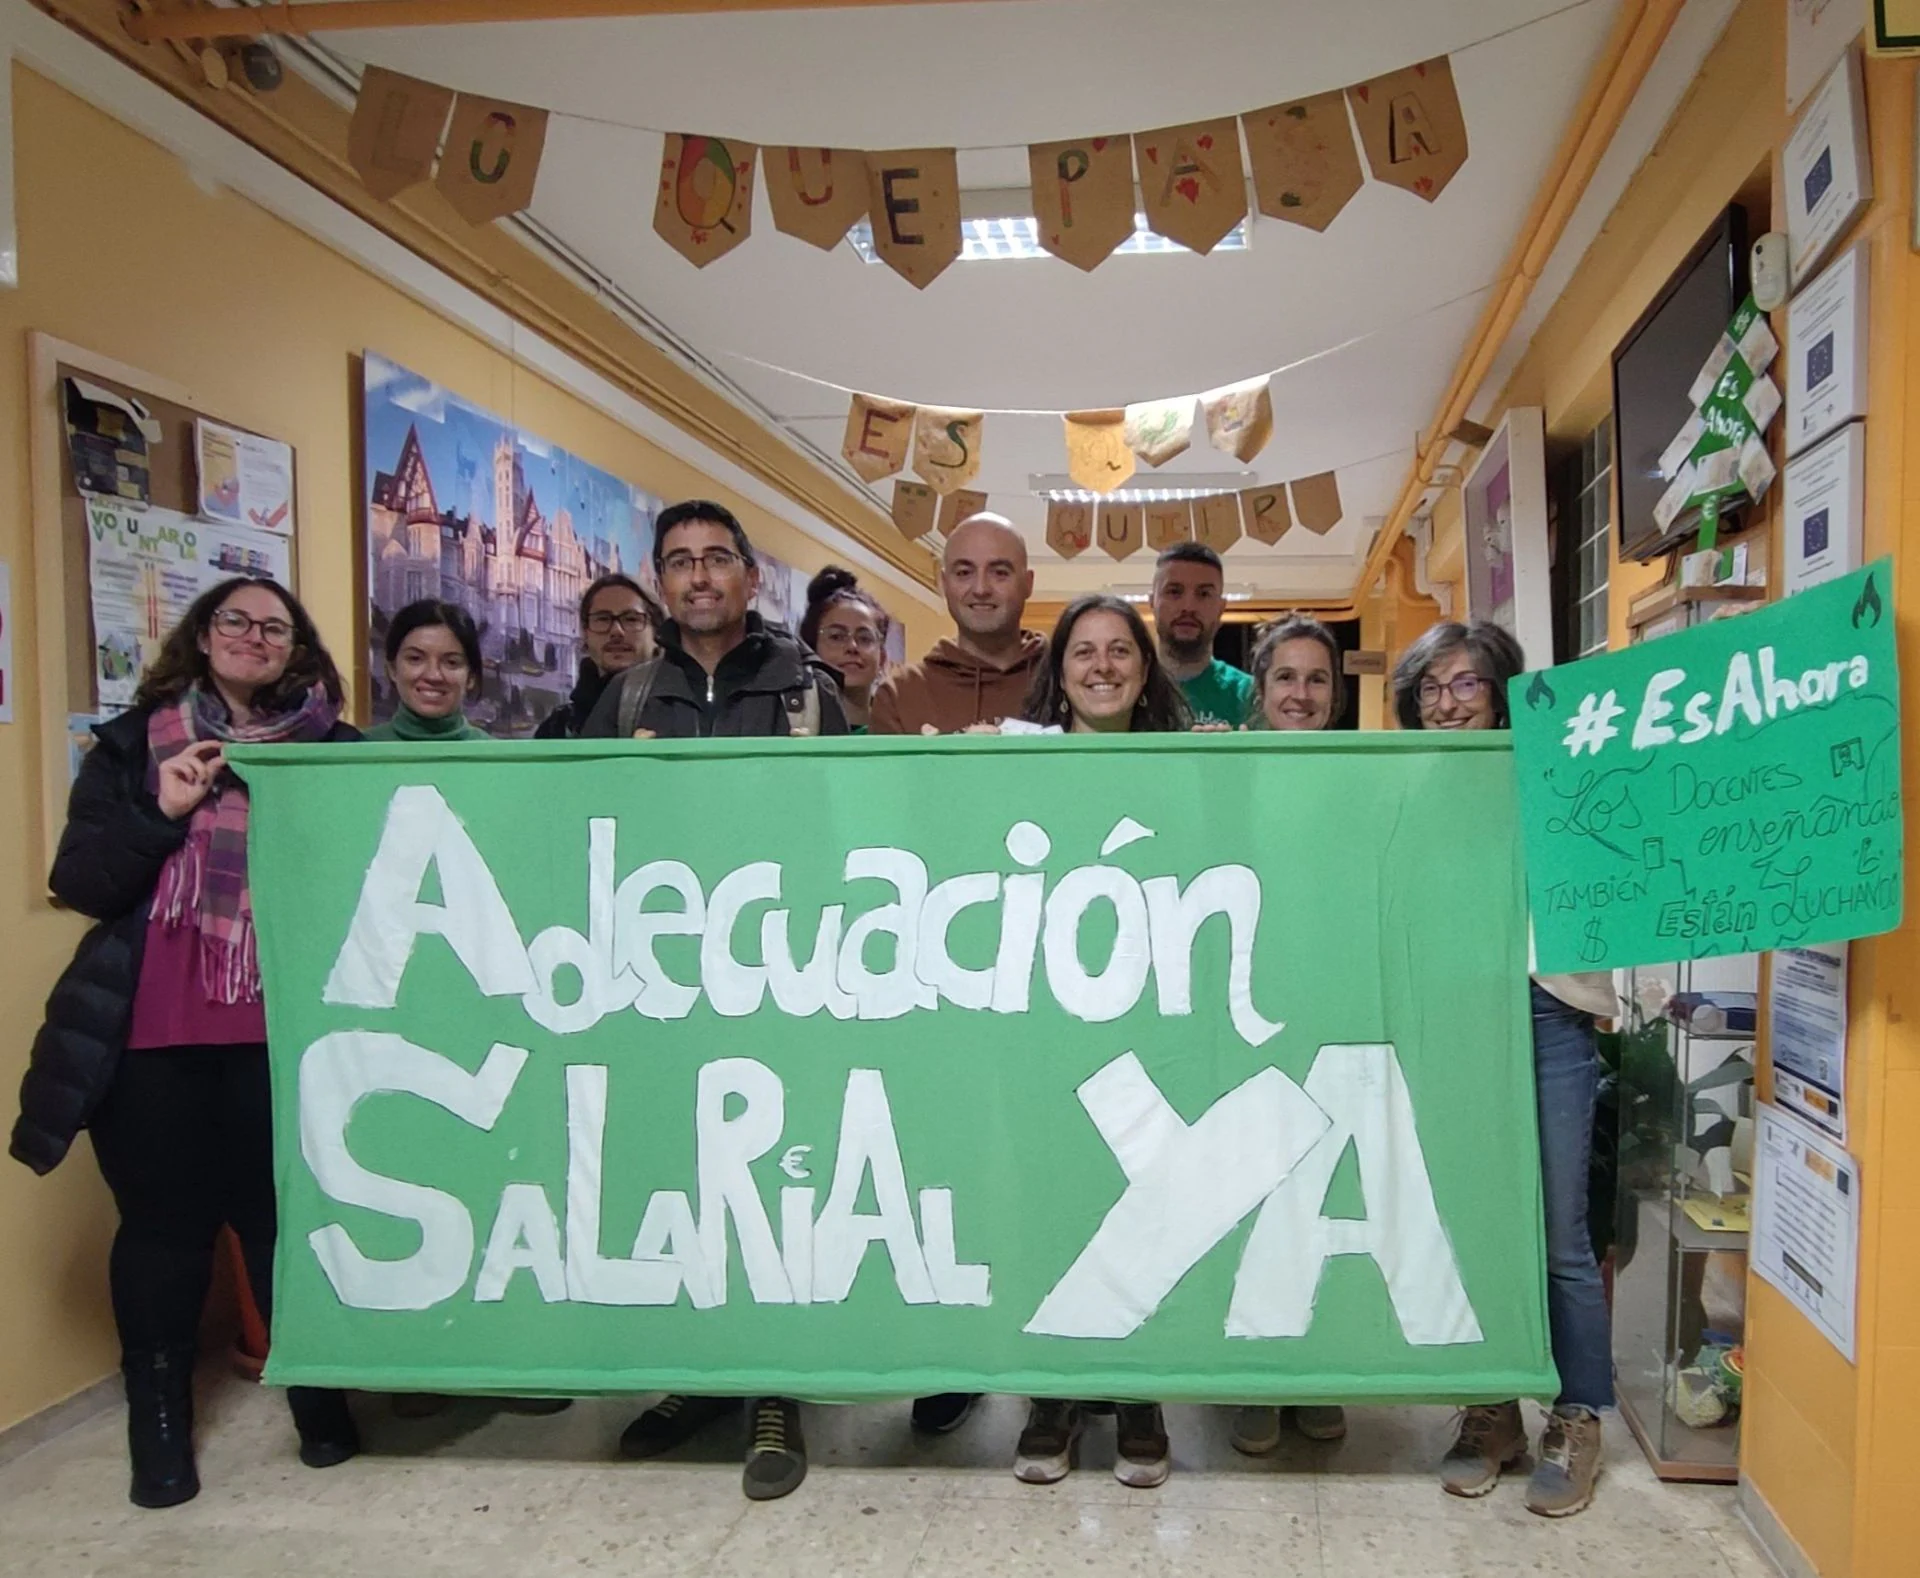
{"type": "Point", "coordinates": [674, 1419]}
{"type": "Point", "coordinates": [160, 1427]}
{"type": "Point", "coordinates": [533, 1407]}
{"type": "Point", "coordinates": [935, 1416]}
{"type": "Point", "coordinates": [327, 1432]}
{"type": "Point", "coordinates": [777, 1457]}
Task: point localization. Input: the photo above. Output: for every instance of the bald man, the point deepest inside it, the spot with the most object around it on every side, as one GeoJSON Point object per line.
{"type": "Point", "coordinates": [981, 675]}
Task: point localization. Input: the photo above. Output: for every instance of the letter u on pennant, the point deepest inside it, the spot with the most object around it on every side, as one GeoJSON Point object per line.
{"type": "Point", "coordinates": [493, 158]}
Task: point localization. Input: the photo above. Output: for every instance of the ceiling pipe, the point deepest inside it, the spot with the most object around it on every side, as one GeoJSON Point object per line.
{"type": "Point", "coordinates": [156, 25]}
{"type": "Point", "coordinates": [1638, 34]}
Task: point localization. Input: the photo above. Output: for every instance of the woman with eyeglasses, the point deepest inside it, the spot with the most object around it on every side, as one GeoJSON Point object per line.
{"type": "Point", "coordinates": [155, 1037]}
{"type": "Point", "coordinates": [433, 663]}
{"type": "Point", "coordinates": [848, 629]}
{"type": "Point", "coordinates": [618, 620]}
{"type": "Point", "coordinates": [1455, 677]}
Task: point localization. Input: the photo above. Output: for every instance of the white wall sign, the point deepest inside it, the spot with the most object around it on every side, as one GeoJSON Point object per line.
{"type": "Point", "coordinates": [1827, 352]}
{"type": "Point", "coordinates": [1825, 167]}
{"type": "Point", "coordinates": [1818, 32]}
{"type": "Point", "coordinates": [1825, 502]}
{"type": "Point", "coordinates": [1807, 1013]}
{"type": "Point", "coordinates": [1806, 1224]}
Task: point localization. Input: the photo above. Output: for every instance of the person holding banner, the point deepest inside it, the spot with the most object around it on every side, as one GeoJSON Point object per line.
{"type": "Point", "coordinates": [617, 623]}
{"type": "Point", "coordinates": [155, 1037]}
{"type": "Point", "coordinates": [1455, 677]}
{"type": "Point", "coordinates": [433, 661]}
{"type": "Point", "coordinates": [848, 628]}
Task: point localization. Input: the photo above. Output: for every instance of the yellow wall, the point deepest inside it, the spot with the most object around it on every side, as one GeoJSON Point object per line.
{"type": "Point", "coordinates": [122, 253]}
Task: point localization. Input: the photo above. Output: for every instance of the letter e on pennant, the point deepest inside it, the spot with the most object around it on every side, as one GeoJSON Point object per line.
{"type": "Point", "coordinates": [878, 432]}
{"type": "Point", "coordinates": [913, 201]}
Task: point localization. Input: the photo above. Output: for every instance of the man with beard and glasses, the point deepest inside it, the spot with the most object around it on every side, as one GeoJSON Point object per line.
{"type": "Point", "coordinates": [1188, 601]}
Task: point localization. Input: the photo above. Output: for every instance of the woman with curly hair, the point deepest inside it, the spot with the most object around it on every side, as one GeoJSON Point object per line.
{"type": "Point", "coordinates": [1103, 675]}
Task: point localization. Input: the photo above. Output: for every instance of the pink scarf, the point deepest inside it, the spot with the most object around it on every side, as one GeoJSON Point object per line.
{"type": "Point", "coordinates": [204, 882]}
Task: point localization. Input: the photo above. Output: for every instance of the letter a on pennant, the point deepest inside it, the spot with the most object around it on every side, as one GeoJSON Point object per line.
{"type": "Point", "coordinates": [1082, 197]}
{"type": "Point", "coordinates": [815, 193]}
{"type": "Point", "coordinates": [705, 204]}
{"type": "Point", "coordinates": [1192, 183]}
{"type": "Point", "coordinates": [913, 201]}
{"type": "Point", "coordinates": [493, 156]}
{"type": "Point", "coordinates": [395, 130]}
{"type": "Point", "coordinates": [878, 432]}
{"type": "Point", "coordinates": [1412, 127]}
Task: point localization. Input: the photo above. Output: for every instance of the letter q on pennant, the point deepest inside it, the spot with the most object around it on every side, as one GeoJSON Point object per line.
{"type": "Point", "coordinates": [705, 204]}
{"type": "Point", "coordinates": [492, 159]}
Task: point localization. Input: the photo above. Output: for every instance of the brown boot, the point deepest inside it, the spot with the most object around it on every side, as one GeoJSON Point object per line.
{"type": "Point", "coordinates": [1492, 1437]}
{"type": "Point", "coordinates": [1569, 1466]}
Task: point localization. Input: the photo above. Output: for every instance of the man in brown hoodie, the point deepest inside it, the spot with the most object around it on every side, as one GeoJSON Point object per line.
{"type": "Point", "coordinates": [981, 675]}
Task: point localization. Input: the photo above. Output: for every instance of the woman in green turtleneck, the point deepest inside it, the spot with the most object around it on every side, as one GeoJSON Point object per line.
{"type": "Point", "coordinates": [433, 659]}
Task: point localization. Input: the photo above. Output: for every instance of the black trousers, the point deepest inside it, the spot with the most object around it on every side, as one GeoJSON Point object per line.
{"type": "Point", "coordinates": [185, 1142]}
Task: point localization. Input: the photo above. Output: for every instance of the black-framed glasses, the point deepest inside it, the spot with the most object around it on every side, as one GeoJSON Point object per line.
{"type": "Point", "coordinates": [715, 561]}
{"type": "Point", "coordinates": [633, 621]}
{"type": "Point", "coordinates": [235, 625]}
{"type": "Point", "coordinates": [1462, 687]}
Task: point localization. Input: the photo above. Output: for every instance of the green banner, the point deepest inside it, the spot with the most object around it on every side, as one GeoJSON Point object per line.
{"type": "Point", "coordinates": [1727, 789]}
{"type": "Point", "coordinates": [1166, 1068]}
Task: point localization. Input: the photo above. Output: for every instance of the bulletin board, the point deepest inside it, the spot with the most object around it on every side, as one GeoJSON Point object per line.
{"type": "Point", "coordinates": [63, 608]}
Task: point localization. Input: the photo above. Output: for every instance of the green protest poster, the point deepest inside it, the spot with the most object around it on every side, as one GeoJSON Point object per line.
{"type": "Point", "coordinates": [1184, 1068]}
{"type": "Point", "coordinates": [1727, 789]}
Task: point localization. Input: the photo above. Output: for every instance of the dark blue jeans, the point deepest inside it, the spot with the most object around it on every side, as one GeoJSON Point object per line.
{"type": "Point", "coordinates": [1566, 1065]}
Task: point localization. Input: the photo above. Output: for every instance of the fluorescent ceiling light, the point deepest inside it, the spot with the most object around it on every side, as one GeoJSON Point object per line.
{"type": "Point", "coordinates": [1018, 236]}
{"type": "Point", "coordinates": [1185, 485]}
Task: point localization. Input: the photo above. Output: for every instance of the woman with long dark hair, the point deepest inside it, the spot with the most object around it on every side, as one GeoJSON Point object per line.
{"type": "Point", "coordinates": [155, 1037]}
{"type": "Point", "coordinates": [433, 660]}
{"type": "Point", "coordinates": [848, 628]}
{"type": "Point", "coordinates": [1297, 682]}
{"type": "Point", "coordinates": [1103, 675]}
{"type": "Point", "coordinates": [1455, 677]}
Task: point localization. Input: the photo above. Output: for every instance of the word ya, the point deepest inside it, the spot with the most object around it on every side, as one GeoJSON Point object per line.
{"type": "Point", "coordinates": [617, 967]}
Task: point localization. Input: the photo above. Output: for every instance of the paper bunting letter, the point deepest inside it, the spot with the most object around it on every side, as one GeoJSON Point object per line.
{"type": "Point", "coordinates": [1069, 527]}
{"type": "Point", "coordinates": [1265, 512]}
{"type": "Point", "coordinates": [1082, 197]}
{"type": "Point", "coordinates": [1239, 419]}
{"type": "Point", "coordinates": [493, 155]}
{"type": "Point", "coordinates": [1169, 521]}
{"type": "Point", "coordinates": [1157, 430]}
{"type": "Point", "coordinates": [1412, 127]}
{"type": "Point", "coordinates": [1097, 454]}
{"type": "Point", "coordinates": [705, 206]}
{"type": "Point", "coordinates": [958, 506]}
{"type": "Point", "coordinates": [395, 131]}
{"type": "Point", "coordinates": [913, 199]}
{"type": "Point", "coordinates": [1316, 502]}
{"type": "Point", "coordinates": [815, 193]}
{"type": "Point", "coordinates": [915, 508]}
{"type": "Point", "coordinates": [946, 447]}
{"type": "Point", "coordinates": [877, 435]}
{"type": "Point", "coordinates": [1305, 167]}
{"type": "Point", "coordinates": [1216, 521]}
{"type": "Point", "coordinates": [1192, 183]}
{"type": "Point", "coordinates": [1122, 528]}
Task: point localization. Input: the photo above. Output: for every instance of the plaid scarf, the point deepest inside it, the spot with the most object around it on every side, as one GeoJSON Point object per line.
{"type": "Point", "coordinates": [204, 882]}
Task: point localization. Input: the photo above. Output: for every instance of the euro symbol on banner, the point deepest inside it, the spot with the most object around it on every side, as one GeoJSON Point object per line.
{"type": "Point", "coordinates": [1540, 693]}
{"type": "Point", "coordinates": [793, 1164]}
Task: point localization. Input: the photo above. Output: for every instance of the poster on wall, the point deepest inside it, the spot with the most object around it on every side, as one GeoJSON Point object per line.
{"type": "Point", "coordinates": [245, 480]}
{"type": "Point", "coordinates": [1506, 536]}
{"type": "Point", "coordinates": [464, 506]}
{"type": "Point", "coordinates": [1806, 1224]}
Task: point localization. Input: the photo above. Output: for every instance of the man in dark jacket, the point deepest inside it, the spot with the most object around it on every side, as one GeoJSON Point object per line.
{"type": "Point", "coordinates": [618, 621]}
{"type": "Point", "coordinates": [721, 670]}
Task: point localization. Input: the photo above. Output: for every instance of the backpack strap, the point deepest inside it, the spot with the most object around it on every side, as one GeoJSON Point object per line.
{"type": "Point", "coordinates": [803, 708]}
{"type": "Point", "coordinates": [636, 690]}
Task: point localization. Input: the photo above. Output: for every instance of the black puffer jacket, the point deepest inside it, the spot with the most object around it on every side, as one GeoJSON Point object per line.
{"type": "Point", "coordinates": [746, 695]}
{"type": "Point", "coordinates": [107, 866]}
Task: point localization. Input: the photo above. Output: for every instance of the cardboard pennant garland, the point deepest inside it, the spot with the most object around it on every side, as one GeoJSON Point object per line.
{"type": "Point", "coordinates": [1305, 166]}
{"type": "Point", "coordinates": [1316, 502]}
{"type": "Point", "coordinates": [395, 131]}
{"type": "Point", "coordinates": [815, 193]}
{"type": "Point", "coordinates": [493, 155]}
{"type": "Point", "coordinates": [705, 206]}
{"type": "Point", "coordinates": [1157, 430]}
{"type": "Point", "coordinates": [961, 505]}
{"type": "Point", "coordinates": [1239, 418]}
{"type": "Point", "coordinates": [1082, 197]}
{"type": "Point", "coordinates": [1169, 521]}
{"type": "Point", "coordinates": [1069, 527]}
{"type": "Point", "coordinates": [913, 199]}
{"type": "Point", "coordinates": [946, 447]}
{"type": "Point", "coordinates": [1216, 520]}
{"type": "Point", "coordinates": [1122, 528]}
{"type": "Point", "coordinates": [1265, 512]}
{"type": "Point", "coordinates": [1097, 454]}
{"type": "Point", "coordinates": [1192, 184]}
{"type": "Point", "coordinates": [1412, 127]}
{"type": "Point", "coordinates": [916, 508]}
{"type": "Point", "coordinates": [878, 432]}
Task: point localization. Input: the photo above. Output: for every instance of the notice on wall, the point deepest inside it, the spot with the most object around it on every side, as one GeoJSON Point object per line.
{"type": "Point", "coordinates": [245, 480]}
{"type": "Point", "coordinates": [1726, 789]}
{"type": "Point", "coordinates": [1807, 1013]}
{"type": "Point", "coordinates": [1806, 1224]}
{"type": "Point", "coordinates": [144, 569]}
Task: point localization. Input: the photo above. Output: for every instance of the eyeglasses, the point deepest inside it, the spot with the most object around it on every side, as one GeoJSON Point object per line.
{"type": "Point", "coordinates": [1462, 687]}
{"type": "Point", "coordinates": [231, 622]}
{"type": "Point", "coordinates": [633, 621]}
{"type": "Point", "coordinates": [860, 640]}
{"type": "Point", "coordinates": [715, 561]}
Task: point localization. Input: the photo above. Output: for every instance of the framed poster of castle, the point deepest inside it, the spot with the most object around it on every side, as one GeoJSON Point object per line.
{"type": "Point", "coordinates": [464, 506]}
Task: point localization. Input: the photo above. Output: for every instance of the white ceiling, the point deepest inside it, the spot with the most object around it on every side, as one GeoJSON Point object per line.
{"type": "Point", "coordinates": [1402, 278]}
